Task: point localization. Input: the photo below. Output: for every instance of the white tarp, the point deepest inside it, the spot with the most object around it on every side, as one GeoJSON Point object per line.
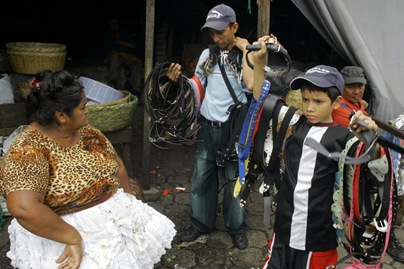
{"type": "Point", "coordinates": [367, 33]}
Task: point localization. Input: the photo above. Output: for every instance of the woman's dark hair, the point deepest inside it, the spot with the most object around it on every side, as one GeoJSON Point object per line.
{"type": "Point", "coordinates": [332, 92]}
{"type": "Point", "coordinates": [53, 92]}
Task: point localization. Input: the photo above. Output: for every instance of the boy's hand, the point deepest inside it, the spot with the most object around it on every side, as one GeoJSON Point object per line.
{"type": "Point", "coordinates": [263, 41]}
{"type": "Point", "coordinates": [174, 72]}
{"type": "Point", "coordinates": [259, 55]}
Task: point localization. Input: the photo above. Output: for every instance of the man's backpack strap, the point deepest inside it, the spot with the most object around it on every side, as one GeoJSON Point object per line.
{"type": "Point", "coordinates": [237, 112]}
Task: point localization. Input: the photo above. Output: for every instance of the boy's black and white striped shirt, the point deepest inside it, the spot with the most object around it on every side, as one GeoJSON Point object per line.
{"type": "Point", "coordinates": [303, 215]}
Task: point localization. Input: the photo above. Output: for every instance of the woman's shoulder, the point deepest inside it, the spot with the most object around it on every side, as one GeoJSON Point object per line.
{"type": "Point", "coordinates": [90, 132]}
{"type": "Point", "coordinates": [90, 129]}
{"type": "Point", "coordinates": [28, 136]}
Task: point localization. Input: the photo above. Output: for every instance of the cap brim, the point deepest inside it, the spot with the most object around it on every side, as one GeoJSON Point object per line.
{"type": "Point", "coordinates": [297, 83]}
{"type": "Point", "coordinates": [355, 80]}
{"type": "Point", "coordinates": [215, 25]}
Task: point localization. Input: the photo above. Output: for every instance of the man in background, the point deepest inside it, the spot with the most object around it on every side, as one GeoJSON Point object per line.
{"type": "Point", "coordinates": [120, 49]}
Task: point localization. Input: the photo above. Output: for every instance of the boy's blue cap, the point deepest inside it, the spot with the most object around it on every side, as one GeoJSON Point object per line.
{"type": "Point", "coordinates": [322, 76]}
{"type": "Point", "coordinates": [219, 17]}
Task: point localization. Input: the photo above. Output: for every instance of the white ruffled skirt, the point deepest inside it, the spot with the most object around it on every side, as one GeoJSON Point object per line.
{"type": "Point", "coordinates": [121, 233]}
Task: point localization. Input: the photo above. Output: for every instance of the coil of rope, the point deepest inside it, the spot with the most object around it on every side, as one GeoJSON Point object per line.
{"type": "Point", "coordinates": [172, 107]}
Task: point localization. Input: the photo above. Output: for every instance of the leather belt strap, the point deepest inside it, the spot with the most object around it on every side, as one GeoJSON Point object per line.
{"type": "Point", "coordinates": [389, 128]}
{"type": "Point", "coordinates": [272, 102]}
{"type": "Point", "coordinates": [246, 135]}
{"type": "Point", "coordinates": [215, 124]}
{"type": "Point", "coordinates": [272, 171]}
{"type": "Point", "coordinates": [277, 49]}
{"type": "Point", "coordinates": [237, 113]}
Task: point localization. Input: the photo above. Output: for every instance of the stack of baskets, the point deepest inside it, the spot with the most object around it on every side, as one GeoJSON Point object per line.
{"type": "Point", "coordinates": [31, 57]}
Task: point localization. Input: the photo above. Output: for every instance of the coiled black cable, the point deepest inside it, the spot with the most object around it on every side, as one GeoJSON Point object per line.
{"type": "Point", "coordinates": [172, 107]}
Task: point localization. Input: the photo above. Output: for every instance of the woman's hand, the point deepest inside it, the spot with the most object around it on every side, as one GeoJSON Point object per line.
{"type": "Point", "coordinates": [174, 72]}
{"type": "Point", "coordinates": [28, 209]}
{"type": "Point", "coordinates": [71, 257]}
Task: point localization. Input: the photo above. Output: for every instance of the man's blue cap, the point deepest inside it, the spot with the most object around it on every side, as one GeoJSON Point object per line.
{"type": "Point", "coordinates": [322, 76]}
{"type": "Point", "coordinates": [219, 17]}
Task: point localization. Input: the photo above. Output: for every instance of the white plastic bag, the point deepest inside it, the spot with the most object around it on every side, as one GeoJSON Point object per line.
{"type": "Point", "coordinates": [6, 90]}
{"type": "Point", "coordinates": [10, 138]}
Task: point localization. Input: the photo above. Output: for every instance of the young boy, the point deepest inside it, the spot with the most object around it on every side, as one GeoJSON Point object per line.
{"type": "Point", "coordinates": [304, 236]}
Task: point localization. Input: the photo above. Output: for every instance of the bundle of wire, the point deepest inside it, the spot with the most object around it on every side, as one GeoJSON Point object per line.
{"type": "Point", "coordinates": [172, 107]}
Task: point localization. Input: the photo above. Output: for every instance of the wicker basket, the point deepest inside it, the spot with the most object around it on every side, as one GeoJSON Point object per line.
{"type": "Point", "coordinates": [31, 57]}
{"type": "Point", "coordinates": [115, 115]}
{"type": "Point", "coordinates": [35, 47]}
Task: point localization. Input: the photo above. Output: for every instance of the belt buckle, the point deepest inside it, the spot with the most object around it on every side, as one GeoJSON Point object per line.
{"type": "Point", "coordinates": [216, 124]}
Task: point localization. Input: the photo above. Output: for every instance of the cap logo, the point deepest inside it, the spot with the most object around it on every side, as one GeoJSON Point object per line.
{"type": "Point", "coordinates": [214, 14]}
{"type": "Point", "coordinates": [318, 70]}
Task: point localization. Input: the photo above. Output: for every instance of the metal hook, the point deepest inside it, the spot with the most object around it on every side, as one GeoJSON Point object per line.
{"type": "Point", "coordinates": [381, 225]}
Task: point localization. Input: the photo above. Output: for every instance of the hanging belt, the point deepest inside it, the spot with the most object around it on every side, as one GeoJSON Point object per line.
{"type": "Point", "coordinates": [272, 103]}
{"type": "Point", "coordinates": [246, 135]}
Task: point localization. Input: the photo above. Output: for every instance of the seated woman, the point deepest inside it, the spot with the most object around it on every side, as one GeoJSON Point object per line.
{"type": "Point", "coordinates": [69, 192]}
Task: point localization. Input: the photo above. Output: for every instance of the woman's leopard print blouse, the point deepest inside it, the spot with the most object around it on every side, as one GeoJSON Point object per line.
{"type": "Point", "coordinates": [70, 178]}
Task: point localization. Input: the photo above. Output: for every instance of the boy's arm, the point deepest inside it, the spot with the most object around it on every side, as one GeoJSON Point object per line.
{"type": "Point", "coordinates": [247, 72]}
{"type": "Point", "coordinates": [259, 59]}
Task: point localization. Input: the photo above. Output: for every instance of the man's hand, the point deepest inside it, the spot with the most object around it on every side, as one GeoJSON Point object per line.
{"type": "Point", "coordinates": [174, 72]}
{"type": "Point", "coordinates": [241, 43]}
{"type": "Point", "coordinates": [357, 128]}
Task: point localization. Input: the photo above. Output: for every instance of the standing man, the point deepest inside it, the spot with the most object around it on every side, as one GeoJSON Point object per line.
{"type": "Point", "coordinates": [208, 177]}
{"type": "Point", "coordinates": [354, 88]}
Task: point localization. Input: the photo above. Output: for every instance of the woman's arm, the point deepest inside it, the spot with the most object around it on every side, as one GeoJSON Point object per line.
{"type": "Point", "coordinates": [32, 214]}
{"type": "Point", "coordinates": [123, 177]}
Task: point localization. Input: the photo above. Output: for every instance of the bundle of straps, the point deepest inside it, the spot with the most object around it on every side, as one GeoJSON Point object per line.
{"type": "Point", "coordinates": [262, 160]}
{"type": "Point", "coordinates": [364, 193]}
{"type": "Point", "coordinates": [172, 107]}
{"type": "Point", "coordinates": [363, 206]}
